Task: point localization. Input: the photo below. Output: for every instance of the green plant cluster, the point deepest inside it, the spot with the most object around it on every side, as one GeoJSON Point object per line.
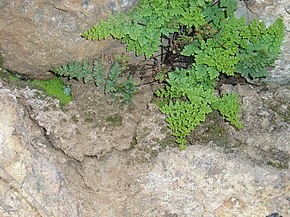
{"type": "Point", "coordinates": [110, 82]}
{"type": "Point", "coordinates": [121, 91]}
{"type": "Point", "coordinates": [191, 98]}
{"type": "Point", "coordinates": [216, 42]}
{"type": "Point", "coordinates": [142, 28]}
{"type": "Point", "coordinates": [55, 88]}
{"type": "Point", "coordinates": [115, 120]}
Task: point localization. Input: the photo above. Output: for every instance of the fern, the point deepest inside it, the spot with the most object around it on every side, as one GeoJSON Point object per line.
{"type": "Point", "coordinates": [192, 98]}
{"type": "Point", "coordinates": [263, 49]}
{"type": "Point", "coordinates": [143, 27]}
{"type": "Point", "coordinates": [73, 70]}
{"type": "Point", "coordinates": [122, 92]}
{"type": "Point", "coordinates": [209, 39]}
{"type": "Point", "coordinates": [229, 107]}
{"type": "Point", "coordinates": [98, 73]}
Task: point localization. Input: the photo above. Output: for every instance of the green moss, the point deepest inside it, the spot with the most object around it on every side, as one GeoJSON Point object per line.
{"type": "Point", "coordinates": [13, 78]}
{"type": "Point", "coordinates": [213, 129]}
{"type": "Point", "coordinates": [55, 88]}
{"type": "Point", "coordinates": [1, 59]}
{"type": "Point", "coordinates": [74, 119]}
{"type": "Point", "coordinates": [115, 120]}
{"type": "Point", "coordinates": [89, 120]}
{"type": "Point", "coordinates": [277, 165]}
{"type": "Point", "coordinates": [133, 143]}
{"type": "Point", "coordinates": [159, 102]}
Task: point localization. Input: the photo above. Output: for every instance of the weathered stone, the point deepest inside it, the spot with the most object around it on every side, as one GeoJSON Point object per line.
{"type": "Point", "coordinates": [203, 182]}
{"type": "Point", "coordinates": [74, 163]}
{"type": "Point", "coordinates": [55, 166]}
{"type": "Point", "coordinates": [35, 178]}
{"type": "Point", "coordinates": [30, 185]}
{"type": "Point", "coordinates": [37, 35]}
{"type": "Point", "coordinates": [72, 131]}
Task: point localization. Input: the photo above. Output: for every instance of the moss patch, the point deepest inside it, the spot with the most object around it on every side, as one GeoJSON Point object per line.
{"type": "Point", "coordinates": [115, 120]}
{"type": "Point", "coordinates": [276, 158]}
{"type": "Point", "coordinates": [158, 101]}
{"type": "Point", "coordinates": [55, 88]}
{"type": "Point", "coordinates": [213, 129]}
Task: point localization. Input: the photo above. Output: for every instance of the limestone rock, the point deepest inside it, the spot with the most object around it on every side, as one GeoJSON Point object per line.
{"type": "Point", "coordinates": [203, 182]}
{"type": "Point", "coordinates": [30, 184]}
{"type": "Point", "coordinates": [43, 174]}
{"type": "Point", "coordinates": [36, 179]}
{"type": "Point", "coordinates": [37, 35]}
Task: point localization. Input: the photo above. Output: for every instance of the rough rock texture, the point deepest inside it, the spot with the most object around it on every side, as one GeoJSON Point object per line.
{"type": "Point", "coordinates": [264, 139]}
{"type": "Point", "coordinates": [267, 129]}
{"type": "Point", "coordinates": [204, 182]}
{"type": "Point", "coordinates": [39, 179]}
{"type": "Point", "coordinates": [37, 35]}
{"type": "Point", "coordinates": [47, 170]}
{"type": "Point", "coordinates": [30, 184]}
{"type": "Point", "coordinates": [82, 122]}
{"type": "Point", "coordinates": [80, 161]}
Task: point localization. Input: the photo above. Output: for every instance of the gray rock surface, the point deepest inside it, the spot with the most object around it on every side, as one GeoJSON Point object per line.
{"type": "Point", "coordinates": [37, 35]}
{"type": "Point", "coordinates": [84, 129]}
{"type": "Point", "coordinates": [43, 174]}
{"type": "Point", "coordinates": [30, 184]}
{"type": "Point", "coordinates": [203, 182]}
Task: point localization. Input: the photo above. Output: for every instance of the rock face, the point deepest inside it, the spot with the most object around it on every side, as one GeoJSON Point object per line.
{"type": "Point", "coordinates": [22, 170]}
{"type": "Point", "coordinates": [38, 34]}
{"type": "Point", "coordinates": [81, 162]}
{"type": "Point", "coordinates": [54, 165]}
{"type": "Point", "coordinates": [203, 182]}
